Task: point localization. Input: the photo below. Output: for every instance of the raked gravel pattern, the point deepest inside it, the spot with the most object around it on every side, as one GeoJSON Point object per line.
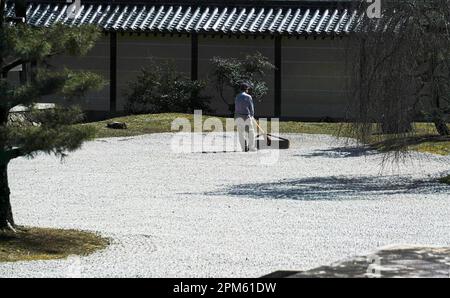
{"type": "Point", "coordinates": [227, 214]}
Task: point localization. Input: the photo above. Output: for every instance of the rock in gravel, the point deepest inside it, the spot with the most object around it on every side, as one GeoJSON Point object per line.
{"type": "Point", "coordinates": [390, 262]}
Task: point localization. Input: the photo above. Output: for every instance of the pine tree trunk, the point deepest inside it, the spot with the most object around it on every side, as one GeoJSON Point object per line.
{"type": "Point", "coordinates": [6, 216]}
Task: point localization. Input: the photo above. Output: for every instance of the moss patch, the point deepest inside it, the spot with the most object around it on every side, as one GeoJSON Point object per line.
{"type": "Point", "coordinates": [29, 244]}
{"type": "Point", "coordinates": [435, 148]}
{"type": "Point", "coordinates": [445, 180]}
{"type": "Point", "coordinates": [160, 123]}
{"type": "Point", "coordinates": [137, 125]}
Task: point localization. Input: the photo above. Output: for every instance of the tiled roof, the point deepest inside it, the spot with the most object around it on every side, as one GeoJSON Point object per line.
{"type": "Point", "coordinates": [295, 20]}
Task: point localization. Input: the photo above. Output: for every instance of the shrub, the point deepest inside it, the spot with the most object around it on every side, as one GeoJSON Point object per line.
{"type": "Point", "coordinates": [229, 73]}
{"type": "Point", "coordinates": [159, 88]}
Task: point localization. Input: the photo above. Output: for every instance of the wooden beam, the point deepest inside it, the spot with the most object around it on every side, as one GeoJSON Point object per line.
{"type": "Point", "coordinates": [278, 64]}
{"type": "Point", "coordinates": [20, 8]}
{"type": "Point", "coordinates": [112, 72]}
{"type": "Point", "coordinates": [194, 56]}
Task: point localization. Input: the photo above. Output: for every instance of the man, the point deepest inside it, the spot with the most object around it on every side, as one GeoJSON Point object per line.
{"type": "Point", "coordinates": [244, 113]}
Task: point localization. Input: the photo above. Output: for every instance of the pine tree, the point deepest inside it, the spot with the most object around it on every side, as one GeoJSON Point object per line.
{"type": "Point", "coordinates": [52, 130]}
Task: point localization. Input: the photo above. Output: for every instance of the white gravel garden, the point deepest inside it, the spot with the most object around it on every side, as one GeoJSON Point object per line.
{"type": "Point", "coordinates": [226, 214]}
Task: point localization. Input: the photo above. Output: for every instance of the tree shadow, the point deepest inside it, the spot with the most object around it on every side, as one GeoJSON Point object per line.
{"type": "Point", "coordinates": [335, 188]}
{"type": "Point", "coordinates": [341, 152]}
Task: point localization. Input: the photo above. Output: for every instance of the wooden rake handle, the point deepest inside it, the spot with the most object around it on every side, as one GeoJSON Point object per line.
{"type": "Point", "coordinates": [259, 127]}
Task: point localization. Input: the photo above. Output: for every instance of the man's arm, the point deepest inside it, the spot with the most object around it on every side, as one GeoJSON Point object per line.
{"type": "Point", "coordinates": [251, 107]}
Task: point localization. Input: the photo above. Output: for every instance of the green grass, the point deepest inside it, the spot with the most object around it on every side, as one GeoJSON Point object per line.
{"type": "Point", "coordinates": [435, 148]}
{"type": "Point", "coordinates": [335, 129]}
{"type": "Point", "coordinates": [137, 125]}
{"type": "Point", "coordinates": [30, 244]}
{"type": "Point", "coordinates": [160, 123]}
{"type": "Point", "coordinates": [445, 180]}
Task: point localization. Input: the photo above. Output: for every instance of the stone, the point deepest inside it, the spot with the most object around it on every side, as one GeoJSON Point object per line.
{"type": "Point", "coordinates": [117, 125]}
{"type": "Point", "coordinates": [389, 262]}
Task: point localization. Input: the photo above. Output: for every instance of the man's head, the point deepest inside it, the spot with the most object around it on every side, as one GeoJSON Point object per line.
{"type": "Point", "coordinates": [244, 87]}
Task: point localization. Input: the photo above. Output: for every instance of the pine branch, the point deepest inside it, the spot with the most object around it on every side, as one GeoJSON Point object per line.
{"type": "Point", "coordinates": [51, 131]}
{"type": "Point", "coordinates": [57, 141]}
{"type": "Point", "coordinates": [67, 83]}
{"type": "Point", "coordinates": [25, 44]}
{"type": "Point", "coordinates": [5, 69]}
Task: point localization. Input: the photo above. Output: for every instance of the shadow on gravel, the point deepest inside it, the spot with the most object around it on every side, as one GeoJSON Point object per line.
{"type": "Point", "coordinates": [341, 152]}
{"type": "Point", "coordinates": [334, 188]}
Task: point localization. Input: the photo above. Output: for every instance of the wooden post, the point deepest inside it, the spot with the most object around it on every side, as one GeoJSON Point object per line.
{"type": "Point", "coordinates": [194, 56]}
{"type": "Point", "coordinates": [20, 8]}
{"type": "Point", "coordinates": [112, 72]}
{"type": "Point", "coordinates": [278, 64]}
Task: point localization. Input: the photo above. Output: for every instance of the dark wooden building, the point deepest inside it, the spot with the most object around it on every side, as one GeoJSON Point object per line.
{"type": "Point", "coordinates": [306, 40]}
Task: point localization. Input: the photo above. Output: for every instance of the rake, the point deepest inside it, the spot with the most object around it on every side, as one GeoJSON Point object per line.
{"type": "Point", "coordinates": [271, 140]}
